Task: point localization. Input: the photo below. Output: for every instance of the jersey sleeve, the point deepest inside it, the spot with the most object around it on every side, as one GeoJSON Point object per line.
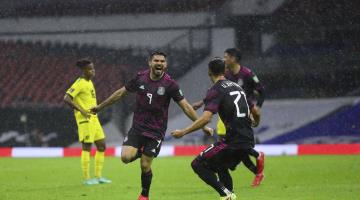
{"type": "Point", "coordinates": [212, 101]}
{"type": "Point", "coordinates": [259, 87]}
{"type": "Point", "coordinates": [175, 92]}
{"type": "Point", "coordinates": [132, 85]}
{"type": "Point", "coordinates": [75, 89]}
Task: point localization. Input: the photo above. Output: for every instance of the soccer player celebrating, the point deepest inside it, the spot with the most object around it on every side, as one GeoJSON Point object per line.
{"type": "Point", "coordinates": [254, 91]}
{"type": "Point", "coordinates": [154, 88]}
{"type": "Point", "coordinates": [229, 100]}
{"type": "Point", "coordinates": [81, 97]}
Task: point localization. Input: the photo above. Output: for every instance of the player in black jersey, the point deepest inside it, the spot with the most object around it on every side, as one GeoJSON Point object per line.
{"type": "Point", "coordinates": [229, 100]}
{"type": "Point", "coordinates": [254, 91]}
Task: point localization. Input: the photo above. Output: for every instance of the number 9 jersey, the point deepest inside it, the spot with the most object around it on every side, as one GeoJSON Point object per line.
{"type": "Point", "coordinates": [152, 103]}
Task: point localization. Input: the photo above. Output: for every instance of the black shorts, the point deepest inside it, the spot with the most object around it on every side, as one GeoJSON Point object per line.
{"type": "Point", "coordinates": [149, 146]}
{"type": "Point", "coordinates": [220, 156]}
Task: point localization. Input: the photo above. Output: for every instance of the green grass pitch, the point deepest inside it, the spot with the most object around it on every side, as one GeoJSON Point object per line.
{"type": "Point", "coordinates": [287, 177]}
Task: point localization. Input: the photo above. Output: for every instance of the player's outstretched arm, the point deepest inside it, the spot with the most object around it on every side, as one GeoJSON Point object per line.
{"type": "Point", "coordinates": [191, 113]}
{"type": "Point", "coordinates": [256, 115]}
{"type": "Point", "coordinates": [69, 101]}
{"type": "Point", "coordinates": [199, 123]}
{"type": "Point", "coordinates": [197, 104]}
{"type": "Point", "coordinates": [188, 109]}
{"type": "Point", "coordinates": [116, 96]}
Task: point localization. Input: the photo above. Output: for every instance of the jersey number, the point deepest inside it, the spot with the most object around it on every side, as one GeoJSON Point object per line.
{"type": "Point", "coordinates": [236, 102]}
{"type": "Point", "coordinates": [150, 97]}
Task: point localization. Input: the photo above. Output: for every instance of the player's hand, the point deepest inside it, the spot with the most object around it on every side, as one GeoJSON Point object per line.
{"type": "Point", "coordinates": [86, 114]}
{"type": "Point", "coordinates": [254, 123]}
{"type": "Point", "coordinates": [94, 110]}
{"type": "Point", "coordinates": [177, 133]}
{"type": "Point", "coordinates": [208, 131]}
{"type": "Point", "coordinates": [197, 105]}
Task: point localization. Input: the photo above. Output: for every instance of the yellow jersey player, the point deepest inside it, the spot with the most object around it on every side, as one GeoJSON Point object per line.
{"type": "Point", "coordinates": [81, 97]}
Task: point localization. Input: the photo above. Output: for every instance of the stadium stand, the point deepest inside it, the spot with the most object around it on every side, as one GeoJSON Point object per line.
{"type": "Point", "coordinates": [28, 69]}
{"type": "Point", "coordinates": [340, 126]}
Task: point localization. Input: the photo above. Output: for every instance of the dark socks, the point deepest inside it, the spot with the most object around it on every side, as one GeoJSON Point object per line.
{"type": "Point", "coordinates": [225, 178]}
{"type": "Point", "coordinates": [249, 164]}
{"type": "Point", "coordinates": [208, 177]}
{"type": "Point", "coordinates": [145, 183]}
{"type": "Point", "coordinates": [253, 153]}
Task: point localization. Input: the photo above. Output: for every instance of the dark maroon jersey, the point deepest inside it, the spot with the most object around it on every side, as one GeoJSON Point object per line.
{"type": "Point", "coordinates": [152, 103]}
{"type": "Point", "coordinates": [229, 100]}
{"type": "Point", "coordinates": [249, 82]}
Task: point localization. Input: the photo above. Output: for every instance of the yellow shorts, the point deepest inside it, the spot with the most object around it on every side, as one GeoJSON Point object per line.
{"type": "Point", "coordinates": [220, 127]}
{"type": "Point", "coordinates": [90, 130]}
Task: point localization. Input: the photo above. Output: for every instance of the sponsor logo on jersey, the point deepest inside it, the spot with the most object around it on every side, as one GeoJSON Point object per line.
{"type": "Point", "coordinates": [142, 87]}
{"type": "Point", "coordinates": [255, 78]}
{"type": "Point", "coordinates": [161, 91]}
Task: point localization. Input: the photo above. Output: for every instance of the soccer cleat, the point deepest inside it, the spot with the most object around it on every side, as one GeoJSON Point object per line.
{"type": "Point", "coordinates": [257, 180]}
{"type": "Point", "coordinates": [260, 163]}
{"type": "Point", "coordinates": [231, 196]}
{"type": "Point", "coordinates": [141, 197]}
{"type": "Point", "coordinates": [91, 182]}
{"type": "Point", "coordinates": [103, 180]}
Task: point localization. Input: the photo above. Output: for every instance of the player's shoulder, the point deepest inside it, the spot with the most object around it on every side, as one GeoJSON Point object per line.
{"type": "Point", "coordinates": [168, 79]}
{"type": "Point", "coordinates": [246, 70]}
{"type": "Point", "coordinates": [78, 81]}
{"type": "Point", "coordinates": [143, 72]}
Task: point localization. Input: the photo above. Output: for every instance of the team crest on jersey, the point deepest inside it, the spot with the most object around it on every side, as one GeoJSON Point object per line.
{"type": "Point", "coordinates": [161, 91]}
{"type": "Point", "coordinates": [240, 82]}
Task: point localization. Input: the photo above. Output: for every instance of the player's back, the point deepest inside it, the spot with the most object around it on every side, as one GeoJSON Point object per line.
{"type": "Point", "coordinates": [234, 112]}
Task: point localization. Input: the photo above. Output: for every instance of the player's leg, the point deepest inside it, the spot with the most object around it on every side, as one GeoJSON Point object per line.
{"type": "Point", "coordinates": [85, 160]}
{"type": "Point", "coordinates": [225, 178]}
{"type": "Point", "coordinates": [259, 156]}
{"type": "Point", "coordinates": [151, 150]}
{"type": "Point", "coordinates": [204, 165]}
{"type": "Point", "coordinates": [86, 137]}
{"type": "Point", "coordinates": [131, 148]}
{"type": "Point", "coordinates": [248, 162]}
{"type": "Point", "coordinates": [99, 161]}
{"type": "Point", "coordinates": [260, 159]}
{"type": "Point", "coordinates": [100, 150]}
{"type": "Point", "coordinates": [250, 165]}
{"type": "Point", "coordinates": [146, 176]}
{"type": "Point", "coordinates": [128, 153]}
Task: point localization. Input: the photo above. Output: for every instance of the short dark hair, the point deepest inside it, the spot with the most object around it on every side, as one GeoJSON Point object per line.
{"type": "Point", "coordinates": [157, 53]}
{"type": "Point", "coordinates": [235, 53]}
{"type": "Point", "coordinates": [83, 63]}
{"type": "Point", "coordinates": [217, 66]}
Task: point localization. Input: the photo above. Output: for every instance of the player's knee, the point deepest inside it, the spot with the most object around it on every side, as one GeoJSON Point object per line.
{"type": "Point", "coordinates": [195, 164]}
{"type": "Point", "coordinates": [101, 148]}
{"type": "Point", "coordinates": [125, 159]}
{"type": "Point", "coordinates": [86, 146]}
{"type": "Point", "coordinates": [145, 168]}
